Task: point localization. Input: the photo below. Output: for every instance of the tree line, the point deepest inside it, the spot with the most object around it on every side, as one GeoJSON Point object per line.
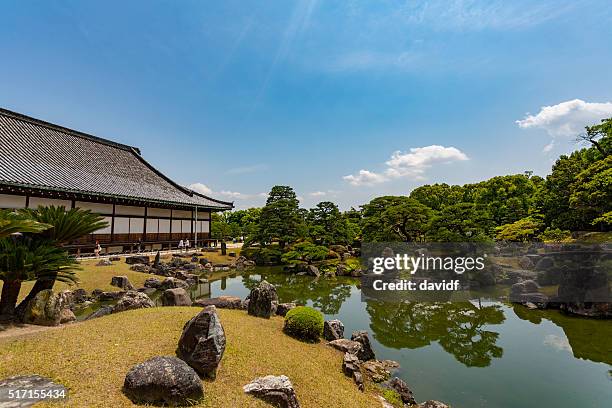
{"type": "Point", "coordinates": [575, 196]}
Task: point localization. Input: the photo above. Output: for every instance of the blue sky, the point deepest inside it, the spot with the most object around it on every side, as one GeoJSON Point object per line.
{"type": "Point", "coordinates": [342, 100]}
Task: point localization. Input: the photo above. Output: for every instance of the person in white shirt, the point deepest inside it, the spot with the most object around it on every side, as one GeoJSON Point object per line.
{"type": "Point", "coordinates": [187, 244]}
{"type": "Point", "coordinates": [181, 245]}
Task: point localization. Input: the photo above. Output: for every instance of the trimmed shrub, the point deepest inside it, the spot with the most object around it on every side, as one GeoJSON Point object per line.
{"type": "Point", "coordinates": [304, 323]}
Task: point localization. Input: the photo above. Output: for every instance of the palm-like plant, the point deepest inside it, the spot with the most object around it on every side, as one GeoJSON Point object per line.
{"type": "Point", "coordinates": [66, 226]}
{"type": "Point", "coordinates": [12, 222]}
{"type": "Point", "coordinates": [23, 258]}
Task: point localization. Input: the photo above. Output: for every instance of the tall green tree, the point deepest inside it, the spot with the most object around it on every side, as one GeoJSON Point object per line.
{"type": "Point", "coordinates": [437, 196]}
{"type": "Point", "coordinates": [591, 192]}
{"type": "Point", "coordinates": [462, 222]}
{"type": "Point", "coordinates": [280, 219]}
{"type": "Point", "coordinates": [393, 218]}
{"type": "Point", "coordinates": [327, 225]}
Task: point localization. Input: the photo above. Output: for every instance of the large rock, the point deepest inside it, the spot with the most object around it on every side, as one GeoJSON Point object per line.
{"type": "Point", "coordinates": [527, 286]}
{"type": "Point", "coordinates": [402, 389]}
{"type": "Point", "coordinates": [544, 263]}
{"type": "Point", "coordinates": [525, 262]}
{"type": "Point", "coordinates": [263, 300]}
{"type": "Point", "coordinates": [175, 297]}
{"type": "Point", "coordinates": [277, 391]}
{"type": "Point", "coordinates": [350, 364]}
{"type": "Point", "coordinates": [313, 271]}
{"type": "Point", "coordinates": [283, 308]}
{"type": "Point", "coordinates": [46, 308]}
{"type": "Point", "coordinates": [104, 262]}
{"type": "Point", "coordinates": [133, 300]}
{"type": "Point", "coordinates": [361, 337]}
{"type": "Point", "coordinates": [152, 283]}
{"type": "Point", "coordinates": [172, 283]}
{"type": "Point", "coordinates": [140, 268]}
{"type": "Point", "coordinates": [103, 311]}
{"type": "Point", "coordinates": [163, 380]}
{"type": "Point", "coordinates": [109, 295]}
{"type": "Point", "coordinates": [221, 302]}
{"type": "Point", "coordinates": [122, 282]}
{"type": "Point", "coordinates": [379, 371]}
{"type": "Point", "coordinates": [346, 346]}
{"type": "Point", "coordinates": [67, 316]}
{"type": "Point", "coordinates": [42, 386]}
{"type": "Point", "coordinates": [202, 342]}
{"type": "Point", "coordinates": [333, 330]}
{"type": "Point", "coordinates": [140, 259]}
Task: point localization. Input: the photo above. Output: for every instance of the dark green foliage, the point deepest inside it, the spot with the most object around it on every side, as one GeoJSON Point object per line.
{"type": "Point", "coordinates": [270, 255]}
{"type": "Point", "coordinates": [305, 252]}
{"type": "Point", "coordinates": [463, 222]}
{"type": "Point", "coordinates": [280, 219]}
{"type": "Point", "coordinates": [327, 226]}
{"type": "Point", "coordinates": [304, 323]}
{"type": "Point", "coordinates": [67, 225]}
{"type": "Point", "coordinates": [12, 222]}
{"type": "Point", "coordinates": [395, 218]}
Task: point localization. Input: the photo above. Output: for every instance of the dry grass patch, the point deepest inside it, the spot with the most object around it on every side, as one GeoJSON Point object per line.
{"type": "Point", "coordinates": [92, 358]}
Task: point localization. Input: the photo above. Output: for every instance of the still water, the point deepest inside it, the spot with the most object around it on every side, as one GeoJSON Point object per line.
{"type": "Point", "coordinates": [480, 354]}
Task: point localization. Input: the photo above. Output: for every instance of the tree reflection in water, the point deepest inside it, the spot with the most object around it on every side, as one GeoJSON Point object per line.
{"type": "Point", "coordinates": [327, 294]}
{"type": "Point", "coordinates": [457, 327]}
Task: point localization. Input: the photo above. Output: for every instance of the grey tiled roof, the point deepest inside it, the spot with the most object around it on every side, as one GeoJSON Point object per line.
{"type": "Point", "coordinates": [37, 154]}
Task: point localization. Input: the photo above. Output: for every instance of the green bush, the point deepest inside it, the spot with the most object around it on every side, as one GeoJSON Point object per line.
{"type": "Point", "coordinates": [304, 323]}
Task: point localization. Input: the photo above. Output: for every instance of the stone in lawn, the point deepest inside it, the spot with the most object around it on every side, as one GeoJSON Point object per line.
{"type": "Point", "coordinates": [103, 311]}
{"type": "Point", "coordinates": [277, 391]}
{"type": "Point", "coordinates": [262, 300]}
{"type": "Point", "coordinates": [42, 386]}
{"type": "Point", "coordinates": [46, 308]}
{"type": "Point", "coordinates": [175, 297]}
{"type": "Point", "coordinates": [104, 262]}
{"type": "Point", "coordinates": [140, 259]}
{"type": "Point", "coordinates": [172, 283]}
{"type": "Point", "coordinates": [221, 302]}
{"type": "Point", "coordinates": [152, 283]}
{"type": "Point", "coordinates": [202, 342]}
{"type": "Point", "coordinates": [163, 380]}
{"type": "Point", "coordinates": [333, 330]}
{"type": "Point", "coordinates": [366, 353]}
{"type": "Point", "coordinates": [140, 268]}
{"type": "Point", "coordinates": [133, 300]}
{"type": "Point", "coordinates": [122, 282]}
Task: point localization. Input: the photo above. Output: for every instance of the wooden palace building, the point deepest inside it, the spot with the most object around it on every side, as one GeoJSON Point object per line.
{"type": "Point", "coordinates": [46, 164]}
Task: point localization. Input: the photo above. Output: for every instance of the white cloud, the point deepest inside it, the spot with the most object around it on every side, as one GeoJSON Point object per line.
{"type": "Point", "coordinates": [318, 194]}
{"type": "Point", "coordinates": [567, 119]}
{"type": "Point", "coordinates": [200, 188]}
{"type": "Point", "coordinates": [408, 164]}
{"type": "Point", "coordinates": [365, 177]}
{"type": "Point", "coordinates": [204, 189]}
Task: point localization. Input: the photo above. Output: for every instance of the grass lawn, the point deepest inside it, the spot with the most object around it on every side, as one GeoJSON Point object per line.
{"type": "Point", "coordinates": [91, 358]}
{"type": "Point", "coordinates": [99, 277]}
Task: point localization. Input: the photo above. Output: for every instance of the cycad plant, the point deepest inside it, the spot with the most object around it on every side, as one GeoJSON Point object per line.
{"type": "Point", "coordinates": [25, 258]}
{"type": "Point", "coordinates": [66, 226]}
{"type": "Point", "coordinates": [12, 222]}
